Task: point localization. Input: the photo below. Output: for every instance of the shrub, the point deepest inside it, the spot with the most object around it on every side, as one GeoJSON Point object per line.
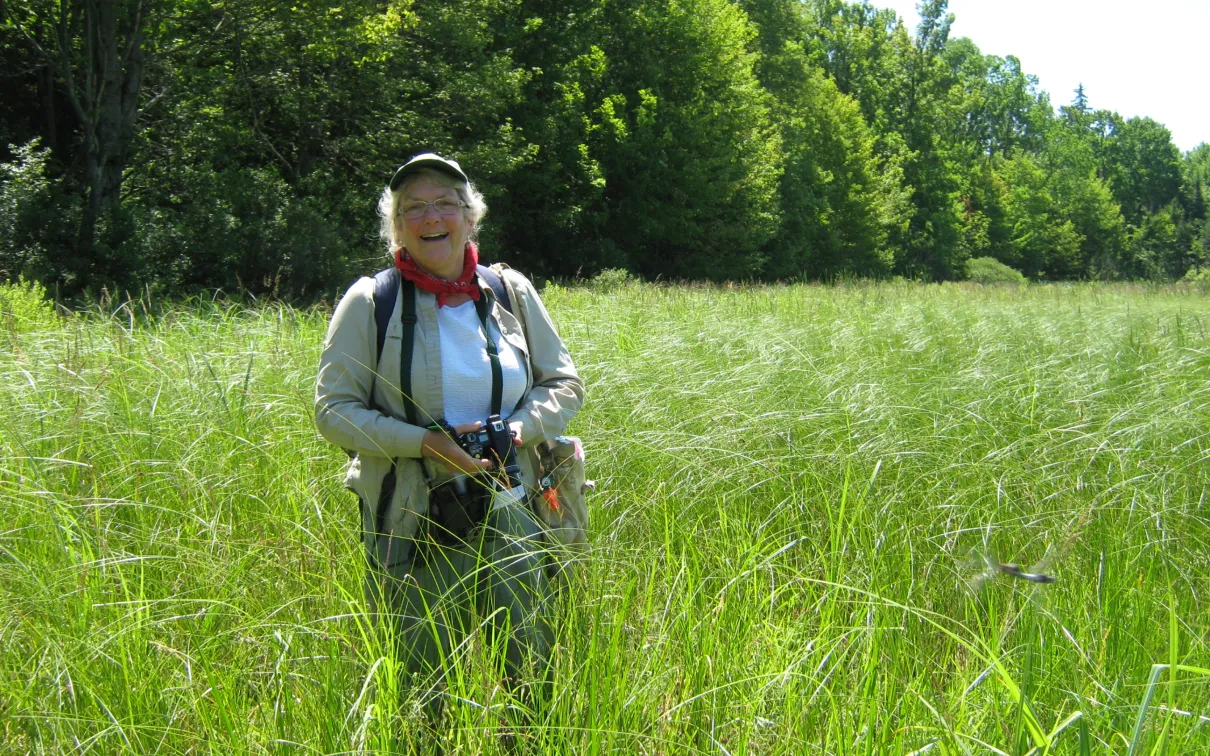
{"type": "Point", "coordinates": [1199, 277]}
{"type": "Point", "coordinates": [36, 219]}
{"type": "Point", "coordinates": [989, 270]}
{"type": "Point", "coordinates": [612, 279]}
{"type": "Point", "coordinates": [240, 231]}
{"type": "Point", "coordinates": [24, 307]}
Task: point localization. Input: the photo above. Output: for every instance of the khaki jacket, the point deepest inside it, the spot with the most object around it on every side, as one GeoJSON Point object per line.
{"type": "Point", "coordinates": [358, 404]}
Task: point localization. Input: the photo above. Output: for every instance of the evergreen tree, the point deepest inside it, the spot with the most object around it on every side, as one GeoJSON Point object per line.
{"type": "Point", "coordinates": [1080, 103]}
{"type": "Point", "coordinates": [839, 199]}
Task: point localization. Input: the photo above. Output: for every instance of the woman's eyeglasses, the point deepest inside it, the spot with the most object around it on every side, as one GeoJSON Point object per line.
{"type": "Point", "coordinates": [444, 207]}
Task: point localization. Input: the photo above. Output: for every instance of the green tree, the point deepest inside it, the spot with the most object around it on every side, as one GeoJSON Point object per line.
{"type": "Point", "coordinates": [1195, 182]}
{"type": "Point", "coordinates": [1043, 244]}
{"type": "Point", "coordinates": [839, 199]}
{"type": "Point", "coordinates": [1195, 167]}
{"type": "Point", "coordinates": [1145, 168]}
{"type": "Point", "coordinates": [550, 209]}
{"type": "Point", "coordinates": [1193, 220]}
{"type": "Point", "coordinates": [1000, 105]}
{"type": "Point", "coordinates": [855, 44]}
{"type": "Point", "coordinates": [282, 128]}
{"type": "Point", "coordinates": [922, 113]}
{"type": "Point", "coordinates": [31, 214]}
{"type": "Point", "coordinates": [686, 145]}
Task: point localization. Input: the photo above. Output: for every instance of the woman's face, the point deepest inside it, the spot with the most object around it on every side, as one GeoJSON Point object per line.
{"type": "Point", "coordinates": [436, 242]}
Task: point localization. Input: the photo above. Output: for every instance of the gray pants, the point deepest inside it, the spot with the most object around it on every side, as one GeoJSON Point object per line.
{"type": "Point", "coordinates": [496, 580]}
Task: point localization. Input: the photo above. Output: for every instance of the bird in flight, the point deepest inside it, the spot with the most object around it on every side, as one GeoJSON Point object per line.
{"type": "Point", "coordinates": [989, 567]}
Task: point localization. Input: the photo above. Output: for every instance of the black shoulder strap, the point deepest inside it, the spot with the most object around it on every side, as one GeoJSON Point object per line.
{"type": "Point", "coordinates": [497, 286]}
{"type": "Point", "coordinates": [483, 308]}
{"type": "Point", "coordinates": [408, 316]}
{"type": "Point", "coordinates": [386, 283]}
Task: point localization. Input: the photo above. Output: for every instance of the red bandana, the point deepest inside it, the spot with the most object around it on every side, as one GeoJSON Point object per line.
{"type": "Point", "coordinates": [466, 283]}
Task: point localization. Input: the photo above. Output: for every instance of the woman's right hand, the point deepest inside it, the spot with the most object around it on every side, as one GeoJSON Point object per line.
{"type": "Point", "coordinates": [445, 450]}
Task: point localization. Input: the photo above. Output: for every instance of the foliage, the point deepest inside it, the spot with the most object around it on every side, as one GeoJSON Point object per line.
{"type": "Point", "coordinates": [840, 200]}
{"type": "Point", "coordinates": [24, 306]}
{"type": "Point", "coordinates": [36, 219]}
{"type": "Point", "coordinates": [98, 53]}
{"type": "Point", "coordinates": [241, 145]}
{"type": "Point", "coordinates": [688, 152]}
{"type": "Point", "coordinates": [989, 270]}
{"type": "Point", "coordinates": [612, 279]}
{"type": "Point", "coordinates": [1144, 169]}
{"type": "Point", "coordinates": [1199, 276]}
{"type": "Point", "coordinates": [1042, 241]}
{"type": "Point", "coordinates": [239, 231]}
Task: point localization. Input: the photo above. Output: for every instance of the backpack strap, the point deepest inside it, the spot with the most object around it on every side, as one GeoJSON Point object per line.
{"type": "Point", "coordinates": [408, 317]}
{"type": "Point", "coordinates": [386, 283]}
{"type": "Point", "coordinates": [493, 280]}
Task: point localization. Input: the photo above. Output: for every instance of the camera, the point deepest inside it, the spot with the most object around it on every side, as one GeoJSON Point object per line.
{"type": "Point", "coordinates": [494, 441]}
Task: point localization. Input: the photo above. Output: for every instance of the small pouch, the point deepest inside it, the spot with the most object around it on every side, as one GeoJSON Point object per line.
{"type": "Point", "coordinates": [456, 508]}
{"type": "Point", "coordinates": [560, 502]}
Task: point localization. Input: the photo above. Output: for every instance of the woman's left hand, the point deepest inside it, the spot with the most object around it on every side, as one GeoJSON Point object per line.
{"type": "Point", "coordinates": [515, 429]}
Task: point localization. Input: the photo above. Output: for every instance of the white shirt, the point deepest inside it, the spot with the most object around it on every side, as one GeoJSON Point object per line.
{"type": "Point", "coordinates": [466, 371]}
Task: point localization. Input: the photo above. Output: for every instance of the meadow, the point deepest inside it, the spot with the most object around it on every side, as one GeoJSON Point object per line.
{"type": "Point", "coordinates": [797, 487]}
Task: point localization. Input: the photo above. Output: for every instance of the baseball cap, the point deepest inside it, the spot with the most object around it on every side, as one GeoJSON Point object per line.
{"type": "Point", "coordinates": [428, 160]}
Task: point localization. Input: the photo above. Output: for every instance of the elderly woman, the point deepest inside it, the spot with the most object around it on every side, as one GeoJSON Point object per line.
{"type": "Point", "coordinates": [445, 541]}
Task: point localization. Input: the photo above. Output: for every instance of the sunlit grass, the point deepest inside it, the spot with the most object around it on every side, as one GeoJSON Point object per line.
{"type": "Point", "coordinates": [791, 482]}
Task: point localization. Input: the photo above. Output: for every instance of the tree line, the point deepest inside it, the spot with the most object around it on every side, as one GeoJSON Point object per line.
{"type": "Point", "coordinates": [240, 144]}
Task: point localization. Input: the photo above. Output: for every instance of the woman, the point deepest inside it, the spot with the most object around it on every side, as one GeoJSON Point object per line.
{"type": "Point", "coordinates": [429, 571]}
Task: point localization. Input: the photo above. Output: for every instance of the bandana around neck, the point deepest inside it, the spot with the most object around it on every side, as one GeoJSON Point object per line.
{"type": "Point", "coordinates": [466, 283]}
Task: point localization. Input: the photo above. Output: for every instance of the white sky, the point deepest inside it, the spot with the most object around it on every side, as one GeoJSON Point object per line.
{"type": "Point", "coordinates": [1140, 59]}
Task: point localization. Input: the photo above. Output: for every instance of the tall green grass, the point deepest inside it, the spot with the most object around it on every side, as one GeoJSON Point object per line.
{"type": "Point", "coordinates": [791, 482]}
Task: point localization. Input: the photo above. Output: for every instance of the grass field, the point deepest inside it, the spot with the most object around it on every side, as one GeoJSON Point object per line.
{"type": "Point", "coordinates": [791, 483]}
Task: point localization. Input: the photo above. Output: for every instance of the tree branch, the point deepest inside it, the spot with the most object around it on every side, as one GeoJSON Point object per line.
{"type": "Point", "coordinates": [133, 33]}
{"type": "Point", "coordinates": [159, 96]}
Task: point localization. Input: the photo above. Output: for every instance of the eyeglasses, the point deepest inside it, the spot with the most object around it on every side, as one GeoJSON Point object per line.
{"type": "Point", "coordinates": [444, 207]}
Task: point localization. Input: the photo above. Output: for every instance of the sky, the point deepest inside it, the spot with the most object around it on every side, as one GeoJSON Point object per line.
{"type": "Point", "coordinates": [1139, 59]}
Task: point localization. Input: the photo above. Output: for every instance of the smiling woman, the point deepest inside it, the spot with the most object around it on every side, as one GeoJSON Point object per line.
{"type": "Point", "coordinates": [451, 549]}
{"type": "Point", "coordinates": [430, 211]}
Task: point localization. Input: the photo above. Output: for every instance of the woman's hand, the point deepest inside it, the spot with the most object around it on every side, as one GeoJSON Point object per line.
{"type": "Point", "coordinates": [445, 450]}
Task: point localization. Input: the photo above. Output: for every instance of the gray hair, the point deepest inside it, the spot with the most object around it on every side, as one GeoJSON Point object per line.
{"type": "Point", "coordinates": [388, 204]}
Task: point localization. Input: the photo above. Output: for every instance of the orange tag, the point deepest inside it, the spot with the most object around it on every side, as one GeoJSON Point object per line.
{"type": "Point", "coordinates": [552, 498]}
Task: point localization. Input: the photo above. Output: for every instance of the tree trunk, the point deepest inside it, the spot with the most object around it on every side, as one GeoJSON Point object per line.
{"type": "Point", "coordinates": [105, 98]}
